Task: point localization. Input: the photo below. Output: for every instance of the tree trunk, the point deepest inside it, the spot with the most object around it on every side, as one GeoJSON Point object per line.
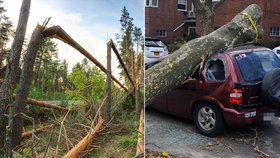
{"type": "Point", "coordinates": [206, 16]}
{"type": "Point", "coordinates": [106, 114]}
{"type": "Point", "coordinates": [140, 140]}
{"type": "Point", "coordinates": [12, 70]}
{"type": "Point", "coordinates": [172, 71]}
{"type": "Point", "coordinates": [24, 85]}
{"type": "Point", "coordinates": [43, 104]}
{"type": "Point", "coordinates": [137, 100]}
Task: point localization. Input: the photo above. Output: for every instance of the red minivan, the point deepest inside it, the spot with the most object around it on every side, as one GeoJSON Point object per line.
{"type": "Point", "coordinates": [225, 89]}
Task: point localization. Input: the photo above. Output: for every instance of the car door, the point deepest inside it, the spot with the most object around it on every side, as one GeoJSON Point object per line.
{"type": "Point", "coordinates": [160, 103]}
{"type": "Point", "coordinates": [214, 74]}
{"type": "Point", "coordinates": [179, 100]}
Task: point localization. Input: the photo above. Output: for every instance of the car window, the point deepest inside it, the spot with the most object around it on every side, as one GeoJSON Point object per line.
{"type": "Point", "coordinates": [254, 65]}
{"type": "Point", "coordinates": [195, 75]}
{"type": "Point", "coordinates": [154, 44]}
{"type": "Point", "coordinates": [215, 70]}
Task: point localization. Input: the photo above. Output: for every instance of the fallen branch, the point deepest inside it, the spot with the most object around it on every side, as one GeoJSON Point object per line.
{"type": "Point", "coordinates": [58, 33]}
{"type": "Point", "coordinates": [85, 142]}
{"type": "Point", "coordinates": [256, 147]}
{"type": "Point", "coordinates": [42, 104]}
{"type": "Point", "coordinates": [140, 141]}
{"type": "Point", "coordinates": [38, 130]}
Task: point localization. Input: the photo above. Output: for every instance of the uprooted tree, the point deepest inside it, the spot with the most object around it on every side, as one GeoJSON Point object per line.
{"type": "Point", "coordinates": [172, 71]}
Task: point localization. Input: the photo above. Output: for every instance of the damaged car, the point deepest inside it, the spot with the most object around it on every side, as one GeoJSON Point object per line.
{"type": "Point", "coordinates": [230, 88]}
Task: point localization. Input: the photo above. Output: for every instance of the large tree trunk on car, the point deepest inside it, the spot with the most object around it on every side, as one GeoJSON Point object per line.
{"type": "Point", "coordinates": [172, 71]}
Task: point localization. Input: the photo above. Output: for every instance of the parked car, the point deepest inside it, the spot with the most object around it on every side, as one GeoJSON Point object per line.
{"type": "Point", "coordinates": [276, 50]}
{"type": "Point", "coordinates": [225, 89]}
{"type": "Point", "coordinates": [155, 51]}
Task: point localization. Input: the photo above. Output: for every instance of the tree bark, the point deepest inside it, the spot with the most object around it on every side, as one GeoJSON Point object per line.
{"type": "Point", "coordinates": [12, 69]}
{"type": "Point", "coordinates": [38, 130]}
{"type": "Point", "coordinates": [77, 150]}
{"type": "Point", "coordinates": [25, 80]}
{"type": "Point", "coordinates": [42, 104]}
{"type": "Point", "coordinates": [172, 71]}
{"type": "Point", "coordinates": [140, 140]}
{"type": "Point", "coordinates": [138, 105]}
{"type": "Point", "coordinates": [204, 10]}
{"type": "Point", "coordinates": [106, 114]}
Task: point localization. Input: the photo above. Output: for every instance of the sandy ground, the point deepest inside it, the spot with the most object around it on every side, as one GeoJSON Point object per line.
{"type": "Point", "coordinates": [179, 137]}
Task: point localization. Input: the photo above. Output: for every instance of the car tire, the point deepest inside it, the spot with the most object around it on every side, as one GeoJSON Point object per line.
{"type": "Point", "coordinates": [208, 119]}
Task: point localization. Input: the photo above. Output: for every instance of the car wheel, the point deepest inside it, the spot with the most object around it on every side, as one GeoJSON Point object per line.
{"type": "Point", "coordinates": [208, 119]}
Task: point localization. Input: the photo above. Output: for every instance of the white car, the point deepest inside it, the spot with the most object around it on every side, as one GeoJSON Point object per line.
{"type": "Point", "coordinates": [155, 51]}
{"type": "Point", "coordinates": [276, 50]}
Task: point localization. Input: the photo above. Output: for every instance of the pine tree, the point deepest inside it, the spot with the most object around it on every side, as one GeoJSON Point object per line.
{"type": "Point", "coordinates": [126, 45]}
{"type": "Point", "coordinates": [5, 33]}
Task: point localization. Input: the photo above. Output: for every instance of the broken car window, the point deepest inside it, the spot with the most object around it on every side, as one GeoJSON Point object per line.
{"type": "Point", "coordinates": [215, 70]}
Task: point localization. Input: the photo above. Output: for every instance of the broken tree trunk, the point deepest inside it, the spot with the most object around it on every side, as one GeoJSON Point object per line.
{"type": "Point", "coordinates": [38, 130]}
{"type": "Point", "coordinates": [12, 69]}
{"type": "Point", "coordinates": [58, 33]}
{"type": "Point", "coordinates": [24, 85]}
{"type": "Point", "coordinates": [138, 105]}
{"type": "Point", "coordinates": [140, 141]}
{"type": "Point", "coordinates": [172, 71]}
{"type": "Point", "coordinates": [121, 62]}
{"type": "Point", "coordinates": [43, 104]}
{"type": "Point", "coordinates": [77, 150]}
{"type": "Point", "coordinates": [106, 113]}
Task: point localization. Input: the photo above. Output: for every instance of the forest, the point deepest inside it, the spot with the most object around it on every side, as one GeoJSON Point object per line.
{"type": "Point", "coordinates": [48, 110]}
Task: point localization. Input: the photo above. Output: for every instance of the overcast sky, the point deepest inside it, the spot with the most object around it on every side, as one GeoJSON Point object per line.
{"type": "Point", "coordinates": [90, 22]}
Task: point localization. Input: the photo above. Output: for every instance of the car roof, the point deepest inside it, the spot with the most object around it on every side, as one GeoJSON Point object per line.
{"type": "Point", "coordinates": [276, 48]}
{"type": "Point", "coordinates": [244, 48]}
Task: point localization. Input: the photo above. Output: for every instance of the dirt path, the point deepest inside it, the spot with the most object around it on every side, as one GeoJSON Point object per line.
{"type": "Point", "coordinates": [179, 137]}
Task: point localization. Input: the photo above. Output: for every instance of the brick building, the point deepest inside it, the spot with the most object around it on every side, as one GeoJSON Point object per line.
{"type": "Point", "coordinates": [173, 19]}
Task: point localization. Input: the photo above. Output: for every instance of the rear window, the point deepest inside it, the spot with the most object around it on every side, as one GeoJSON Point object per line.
{"type": "Point", "coordinates": [154, 44]}
{"type": "Point", "coordinates": [254, 65]}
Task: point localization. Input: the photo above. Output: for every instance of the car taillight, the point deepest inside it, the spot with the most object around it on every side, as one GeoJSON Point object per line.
{"type": "Point", "coordinates": [235, 96]}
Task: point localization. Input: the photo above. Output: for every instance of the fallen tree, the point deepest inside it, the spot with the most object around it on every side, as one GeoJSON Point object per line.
{"type": "Point", "coordinates": [77, 150]}
{"type": "Point", "coordinates": [38, 130]}
{"type": "Point", "coordinates": [172, 71]}
{"type": "Point", "coordinates": [42, 104]}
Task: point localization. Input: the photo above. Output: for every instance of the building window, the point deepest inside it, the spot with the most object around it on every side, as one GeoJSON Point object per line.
{"type": "Point", "coordinates": [151, 3]}
{"type": "Point", "coordinates": [274, 31]}
{"type": "Point", "coordinates": [161, 33]}
{"type": "Point", "coordinates": [182, 5]}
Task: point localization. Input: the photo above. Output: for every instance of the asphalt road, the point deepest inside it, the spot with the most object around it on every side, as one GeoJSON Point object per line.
{"type": "Point", "coordinates": [179, 138]}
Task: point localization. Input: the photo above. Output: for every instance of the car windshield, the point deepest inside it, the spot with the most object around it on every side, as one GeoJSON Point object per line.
{"type": "Point", "coordinates": [254, 65]}
{"type": "Point", "coordinates": [154, 44]}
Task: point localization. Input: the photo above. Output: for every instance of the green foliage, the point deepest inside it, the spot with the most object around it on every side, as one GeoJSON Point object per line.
{"type": "Point", "coordinates": [89, 81]}
{"type": "Point", "coordinates": [172, 47]}
{"type": "Point", "coordinates": [25, 153]}
{"type": "Point", "coordinates": [131, 43]}
{"type": "Point", "coordinates": [129, 141]}
{"type": "Point", "coordinates": [5, 32]}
